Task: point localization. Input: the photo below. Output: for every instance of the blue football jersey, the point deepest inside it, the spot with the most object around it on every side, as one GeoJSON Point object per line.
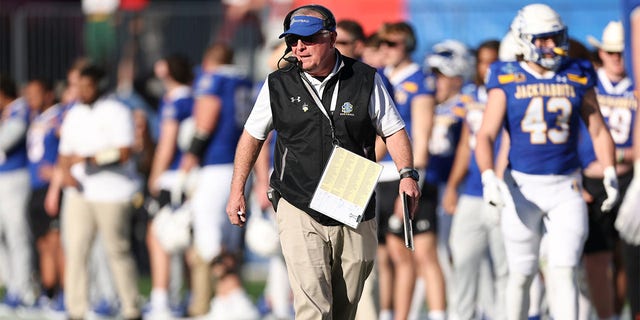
{"type": "Point", "coordinates": [447, 125]}
{"type": "Point", "coordinates": [409, 83]}
{"type": "Point", "coordinates": [618, 106]}
{"type": "Point", "coordinates": [177, 107]}
{"type": "Point", "coordinates": [543, 113]}
{"type": "Point", "coordinates": [16, 156]}
{"type": "Point", "coordinates": [233, 89]}
{"type": "Point", "coordinates": [42, 143]}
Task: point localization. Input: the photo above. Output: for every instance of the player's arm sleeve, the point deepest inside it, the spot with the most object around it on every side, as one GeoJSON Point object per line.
{"type": "Point", "coordinates": [260, 121]}
{"type": "Point", "coordinates": [382, 110]}
{"type": "Point", "coordinates": [491, 79]}
{"type": "Point", "coordinates": [12, 132]}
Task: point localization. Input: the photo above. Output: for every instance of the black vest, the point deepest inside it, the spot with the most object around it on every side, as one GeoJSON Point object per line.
{"type": "Point", "coordinates": [303, 141]}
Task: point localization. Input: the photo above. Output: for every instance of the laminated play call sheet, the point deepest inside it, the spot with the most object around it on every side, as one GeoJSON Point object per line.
{"type": "Point", "coordinates": [346, 186]}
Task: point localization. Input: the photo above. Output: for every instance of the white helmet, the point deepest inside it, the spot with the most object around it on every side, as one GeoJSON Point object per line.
{"type": "Point", "coordinates": [262, 235]}
{"type": "Point", "coordinates": [173, 227]}
{"type": "Point", "coordinates": [451, 58]}
{"type": "Point", "coordinates": [537, 21]}
{"type": "Point", "coordinates": [509, 48]}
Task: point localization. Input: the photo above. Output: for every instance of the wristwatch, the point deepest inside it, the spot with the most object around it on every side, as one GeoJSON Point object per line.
{"type": "Point", "coordinates": [409, 173]}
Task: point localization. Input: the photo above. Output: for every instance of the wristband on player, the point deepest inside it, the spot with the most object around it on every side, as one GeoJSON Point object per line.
{"type": "Point", "coordinates": [107, 157]}
{"type": "Point", "coordinates": [199, 143]}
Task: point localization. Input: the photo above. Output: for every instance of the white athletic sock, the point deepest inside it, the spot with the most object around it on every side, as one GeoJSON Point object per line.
{"type": "Point", "coordinates": [385, 315]}
{"type": "Point", "coordinates": [437, 315]}
{"type": "Point", "coordinates": [563, 292]}
{"type": "Point", "coordinates": [159, 298]}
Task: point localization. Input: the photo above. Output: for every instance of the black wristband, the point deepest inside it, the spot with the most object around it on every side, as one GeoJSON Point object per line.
{"type": "Point", "coordinates": [409, 173]}
{"type": "Point", "coordinates": [199, 144]}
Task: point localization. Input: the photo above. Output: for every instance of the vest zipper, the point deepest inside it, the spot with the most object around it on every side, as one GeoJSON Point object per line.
{"type": "Point", "coordinates": [283, 162]}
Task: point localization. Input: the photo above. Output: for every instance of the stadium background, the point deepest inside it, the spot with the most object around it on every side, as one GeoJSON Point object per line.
{"type": "Point", "coordinates": [42, 38]}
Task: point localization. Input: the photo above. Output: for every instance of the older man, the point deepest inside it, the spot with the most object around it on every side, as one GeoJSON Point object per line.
{"type": "Point", "coordinates": [327, 261]}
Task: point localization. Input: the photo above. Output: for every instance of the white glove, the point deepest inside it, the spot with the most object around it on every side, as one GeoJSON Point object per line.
{"type": "Point", "coordinates": [610, 182]}
{"type": "Point", "coordinates": [628, 220]}
{"type": "Point", "coordinates": [491, 189]}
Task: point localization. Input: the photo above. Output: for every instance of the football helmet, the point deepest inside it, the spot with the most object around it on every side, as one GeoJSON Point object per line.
{"type": "Point", "coordinates": [509, 48]}
{"type": "Point", "coordinates": [173, 227]}
{"type": "Point", "coordinates": [451, 58]}
{"type": "Point", "coordinates": [536, 21]}
{"type": "Point", "coordinates": [262, 235]}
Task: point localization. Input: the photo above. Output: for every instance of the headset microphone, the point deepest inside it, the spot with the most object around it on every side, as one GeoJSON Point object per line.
{"type": "Point", "coordinates": [292, 59]}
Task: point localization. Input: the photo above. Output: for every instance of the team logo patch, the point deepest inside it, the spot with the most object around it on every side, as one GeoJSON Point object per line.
{"type": "Point", "coordinates": [347, 109]}
{"type": "Point", "coordinates": [204, 83]}
{"type": "Point", "coordinates": [577, 78]}
{"type": "Point", "coordinates": [410, 87]}
{"type": "Point", "coordinates": [508, 68]}
{"type": "Point", "coordinates": [305, 107]}
{"type": "Point", "coordinates": [506, 78]}
{"type": "Point", "coordinates": [519, 77]}
{"type": "Point", "coordinates": [423, 225]}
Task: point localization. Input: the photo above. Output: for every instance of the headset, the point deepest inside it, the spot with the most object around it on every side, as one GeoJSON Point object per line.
{"type": "Point", "coordinates": [410, 36]}
{"type": "Point", "coordinates": [328, 23]}
{"type": "Point", "coordinates": [402, 28]}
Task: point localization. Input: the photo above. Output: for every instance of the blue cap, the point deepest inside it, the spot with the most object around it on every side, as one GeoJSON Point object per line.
{"type": "Point", "coordinates": [304, 26]}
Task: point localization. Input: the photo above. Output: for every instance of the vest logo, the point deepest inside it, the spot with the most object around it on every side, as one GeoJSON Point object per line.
{"type": "Point", "coordinates": [347, 109]}
{"type": "Point", "coordinates": [297, 99]}
{"type": "Point", "coordinates": [305, 107]}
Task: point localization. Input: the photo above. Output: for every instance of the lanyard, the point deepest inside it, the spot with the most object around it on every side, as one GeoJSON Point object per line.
{"type": "Point", "coordinates": [334, 100]}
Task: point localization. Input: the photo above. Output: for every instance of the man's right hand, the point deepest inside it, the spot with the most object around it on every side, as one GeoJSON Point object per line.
{"type": "Point", "coordinates": [237, 209]}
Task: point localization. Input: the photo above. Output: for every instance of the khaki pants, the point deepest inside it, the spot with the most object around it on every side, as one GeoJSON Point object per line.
{"type": "Point", "coordinates": [327, 265]}
{"type": "Point", "coordinates": [82, 221]}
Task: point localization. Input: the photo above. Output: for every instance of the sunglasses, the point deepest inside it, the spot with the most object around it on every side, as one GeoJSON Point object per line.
{"type": "Point", "coordinates": [389, 43]}
{"type": "Point", "coordinates": [292, 39]}
{"type": "Point", "coordinates": [344, 42]}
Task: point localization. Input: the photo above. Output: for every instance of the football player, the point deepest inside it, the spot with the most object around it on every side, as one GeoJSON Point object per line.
{"type": "Point", "coordinates": [618, 106]}
{"type": "Point", "coordinates": [628, 221]}
{"type": "Point", "coordinates": [540, 101]}
{"type": "Point", "coordinates": [414, 97]}
{"type": "Point", "coordinates": [471, 237]}
{"type": "Point", "coordinates": [14, 194]}
{"type": "Point", "coordinates": [42, 150]}
{"type": "Point", "coordinates": [176, 107]}
{"type": "Point", "coordinates": [222, 98]}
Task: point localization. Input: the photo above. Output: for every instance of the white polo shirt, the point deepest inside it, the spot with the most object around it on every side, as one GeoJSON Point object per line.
{"type": "Point", "coordinates": [87, 130]}
{"type": "Point", "coordinates": [382, 110]}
